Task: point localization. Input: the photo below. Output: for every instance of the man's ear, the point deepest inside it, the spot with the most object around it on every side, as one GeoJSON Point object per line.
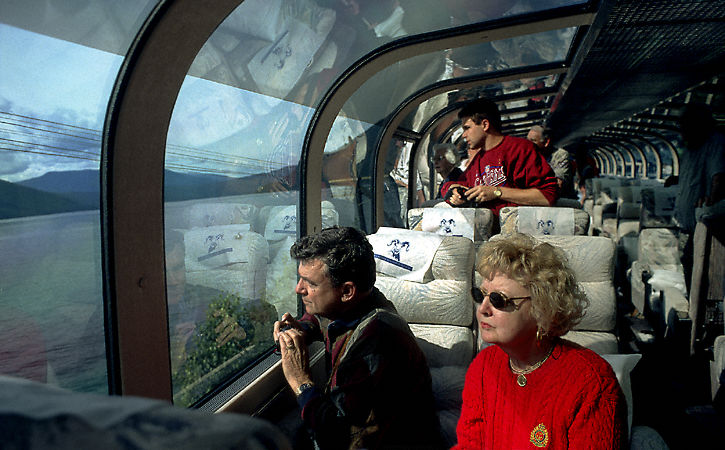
{"type": "Point", "coordinates": [485, 124]}
{"type": "Point", "coordinates": [349, 291]}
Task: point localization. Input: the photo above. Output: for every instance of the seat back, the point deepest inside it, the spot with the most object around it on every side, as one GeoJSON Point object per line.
{"type": "Point", "coordinates": [544, 221]}
{"type": "Point", "coordinates": [37, 416]}
{"type": "Point", "coordinates": [477, 224]}
{"type": "Point", "coordinates": [438, 307]}
{"type": "Point", "coordinates": [658, 207]}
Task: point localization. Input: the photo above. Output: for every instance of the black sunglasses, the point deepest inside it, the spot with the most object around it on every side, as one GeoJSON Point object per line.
{"type": "Point", "coordinates": [498, 300]}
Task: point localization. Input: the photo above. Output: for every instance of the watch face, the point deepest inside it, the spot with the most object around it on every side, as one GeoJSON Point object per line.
{"type": "Point", "coordinates": [303, 387]}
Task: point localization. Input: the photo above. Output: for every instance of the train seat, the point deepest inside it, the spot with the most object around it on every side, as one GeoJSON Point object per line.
{"type": "Point", "coordinates": [541, 220]}
{"type": "Point", "coordinates": [477, 224]}
{"type": "Point", "coordinates": [626, 234]}
{"type": "Point", "coordinates": [37, 416]}
{"type": "Point", "coordinates": [620, 210]}
{"type": "Point", "coordinates": [658, 206]}
{"type": "Point", "coordinates": [657, 280]}
{"type": "Point", "coordinates": [657, 250]}
{"type": "Point", "coordinates": [604, 210]}
{"type": "Point", "coordinates": [592, 258]}
{"type": "Point", "coordinates": [656, 212]}
{"type": "Point", "coordinates": [438, 307]}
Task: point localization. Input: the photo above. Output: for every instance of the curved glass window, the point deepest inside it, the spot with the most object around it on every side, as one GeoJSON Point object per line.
{"type": "Point", "coordinates": [59, 62]}
{"type": "Point", "coordinates": [381, 94]}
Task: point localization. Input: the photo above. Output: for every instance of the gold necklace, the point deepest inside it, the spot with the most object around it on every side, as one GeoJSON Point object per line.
{"type": "Point", "coordinates": [521, 374]}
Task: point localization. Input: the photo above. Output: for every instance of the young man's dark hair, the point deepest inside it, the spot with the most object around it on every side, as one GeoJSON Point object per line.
{"type": "Point", "coordinates": [345, 251]}
{"type": "Point", "coordinates": [479, 109]}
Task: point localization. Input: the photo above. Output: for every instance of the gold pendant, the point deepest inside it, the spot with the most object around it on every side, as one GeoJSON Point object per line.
{"type": "Point", "coordinates": [521, 380]}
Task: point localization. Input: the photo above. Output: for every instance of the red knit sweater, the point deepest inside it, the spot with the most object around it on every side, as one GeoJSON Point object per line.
{"type": "Point", "coordinates": [572, 401]}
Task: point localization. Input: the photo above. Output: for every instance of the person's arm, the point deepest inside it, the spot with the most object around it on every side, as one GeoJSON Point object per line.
{"type": "Point", "coordinates": [421, 198]}
{"type": "Point", "coordinates": [530, 179]}
{"type": "Point", "coordinates": [526, 197]}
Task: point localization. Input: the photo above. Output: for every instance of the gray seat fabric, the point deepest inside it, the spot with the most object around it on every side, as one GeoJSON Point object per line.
{"type": "Point", "coordinates": [38, 416]}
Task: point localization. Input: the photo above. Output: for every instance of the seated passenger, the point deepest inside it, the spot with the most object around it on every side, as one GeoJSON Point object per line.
{"type": "Point", "coordinates": [585, 167]}
{"type": "Point", "coordinates": [378, 391]}
{"type": "Point", "coordinates": [503, 170]}
{"type": "Point", "coordinates": [532, 387]}
{"type": "Point", "coordinates": [445, 162]}
{"type": "Point", "coordinates": [559, 160]}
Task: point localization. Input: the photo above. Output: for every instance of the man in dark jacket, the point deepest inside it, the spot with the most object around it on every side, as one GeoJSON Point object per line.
{"type": "Point", "coordinates": [378, 391]}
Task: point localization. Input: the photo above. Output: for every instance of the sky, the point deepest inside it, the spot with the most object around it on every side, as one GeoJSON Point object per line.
{"type": "Point", "coordinates": [53, 100]}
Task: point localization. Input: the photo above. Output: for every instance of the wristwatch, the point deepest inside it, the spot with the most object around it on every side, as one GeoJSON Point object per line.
{"type": "Point", "coordinates": [497, 193]}
{"type": "Point", "coordinates": [303, 387]}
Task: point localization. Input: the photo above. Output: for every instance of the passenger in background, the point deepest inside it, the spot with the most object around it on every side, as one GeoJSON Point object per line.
{"type": "Point", "coordinates": [702, 174]}
{"type": "Point", "coordinates": [559, 160]}
{"type": "Point", "coordinates": [378, 391]}
{"type": "Point", "coordinates": [532, 387]}
{"type": "Point", "coordinates": [445, 161]}
{"type": "Point", "coordinates": [585, 168]}
{"type": "Point", "coordinates": [503, 170]}
{"type": "Point", "coordinates": [400, 174]}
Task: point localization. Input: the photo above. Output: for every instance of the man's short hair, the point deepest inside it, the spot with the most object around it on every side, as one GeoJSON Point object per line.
{"type": "Point", "coordinates": [450, 153]}
{"type": "Point", "coordinates": [479, 109]}
{"type": "Point", "coordinates": [345, 251]}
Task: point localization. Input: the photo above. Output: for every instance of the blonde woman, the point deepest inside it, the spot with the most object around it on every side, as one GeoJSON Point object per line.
{"type": "Point", "coordinates": [532, 389]}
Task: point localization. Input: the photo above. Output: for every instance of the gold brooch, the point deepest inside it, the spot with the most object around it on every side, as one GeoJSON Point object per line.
{"type": "Point", "coordinates": [540, 436]}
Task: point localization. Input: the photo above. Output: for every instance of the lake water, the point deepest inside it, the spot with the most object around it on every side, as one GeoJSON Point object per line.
{"type": "Point", "coordinates": [51, 316]}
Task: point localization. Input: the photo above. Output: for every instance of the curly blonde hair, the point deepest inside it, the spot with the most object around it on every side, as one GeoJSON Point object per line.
{"type": "Point", "coordinates": [557, 301]}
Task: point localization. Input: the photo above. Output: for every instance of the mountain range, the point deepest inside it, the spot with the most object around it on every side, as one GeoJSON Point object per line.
{"type": "Point", "coordinates": [67, 191]}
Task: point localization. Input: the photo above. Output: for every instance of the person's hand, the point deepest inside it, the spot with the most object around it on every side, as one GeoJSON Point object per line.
{"type": "Point", "coordinates": [457, 195]}
{"type": "Point", "coordinates": [481, 193]}
{"type": "Point", "coordinates": [295, 358]}
{"type": "Point", "coordinates": [285, 323]}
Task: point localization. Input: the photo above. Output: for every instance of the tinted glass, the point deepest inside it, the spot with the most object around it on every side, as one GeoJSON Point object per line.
{"type": "Point", "coordinates": [59, 62]}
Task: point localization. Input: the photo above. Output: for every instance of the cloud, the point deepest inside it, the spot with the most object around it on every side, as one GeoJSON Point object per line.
{"type": "Point", "coordinates": [33, 142]}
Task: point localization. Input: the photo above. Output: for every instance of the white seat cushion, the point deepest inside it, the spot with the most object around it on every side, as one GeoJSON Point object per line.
{"type": "Point", "coordinates": [445, 345]}
{"type": "Point", "coordinates": [444, 302]}
{"type": "Point", "coordinates": [601, 342]}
